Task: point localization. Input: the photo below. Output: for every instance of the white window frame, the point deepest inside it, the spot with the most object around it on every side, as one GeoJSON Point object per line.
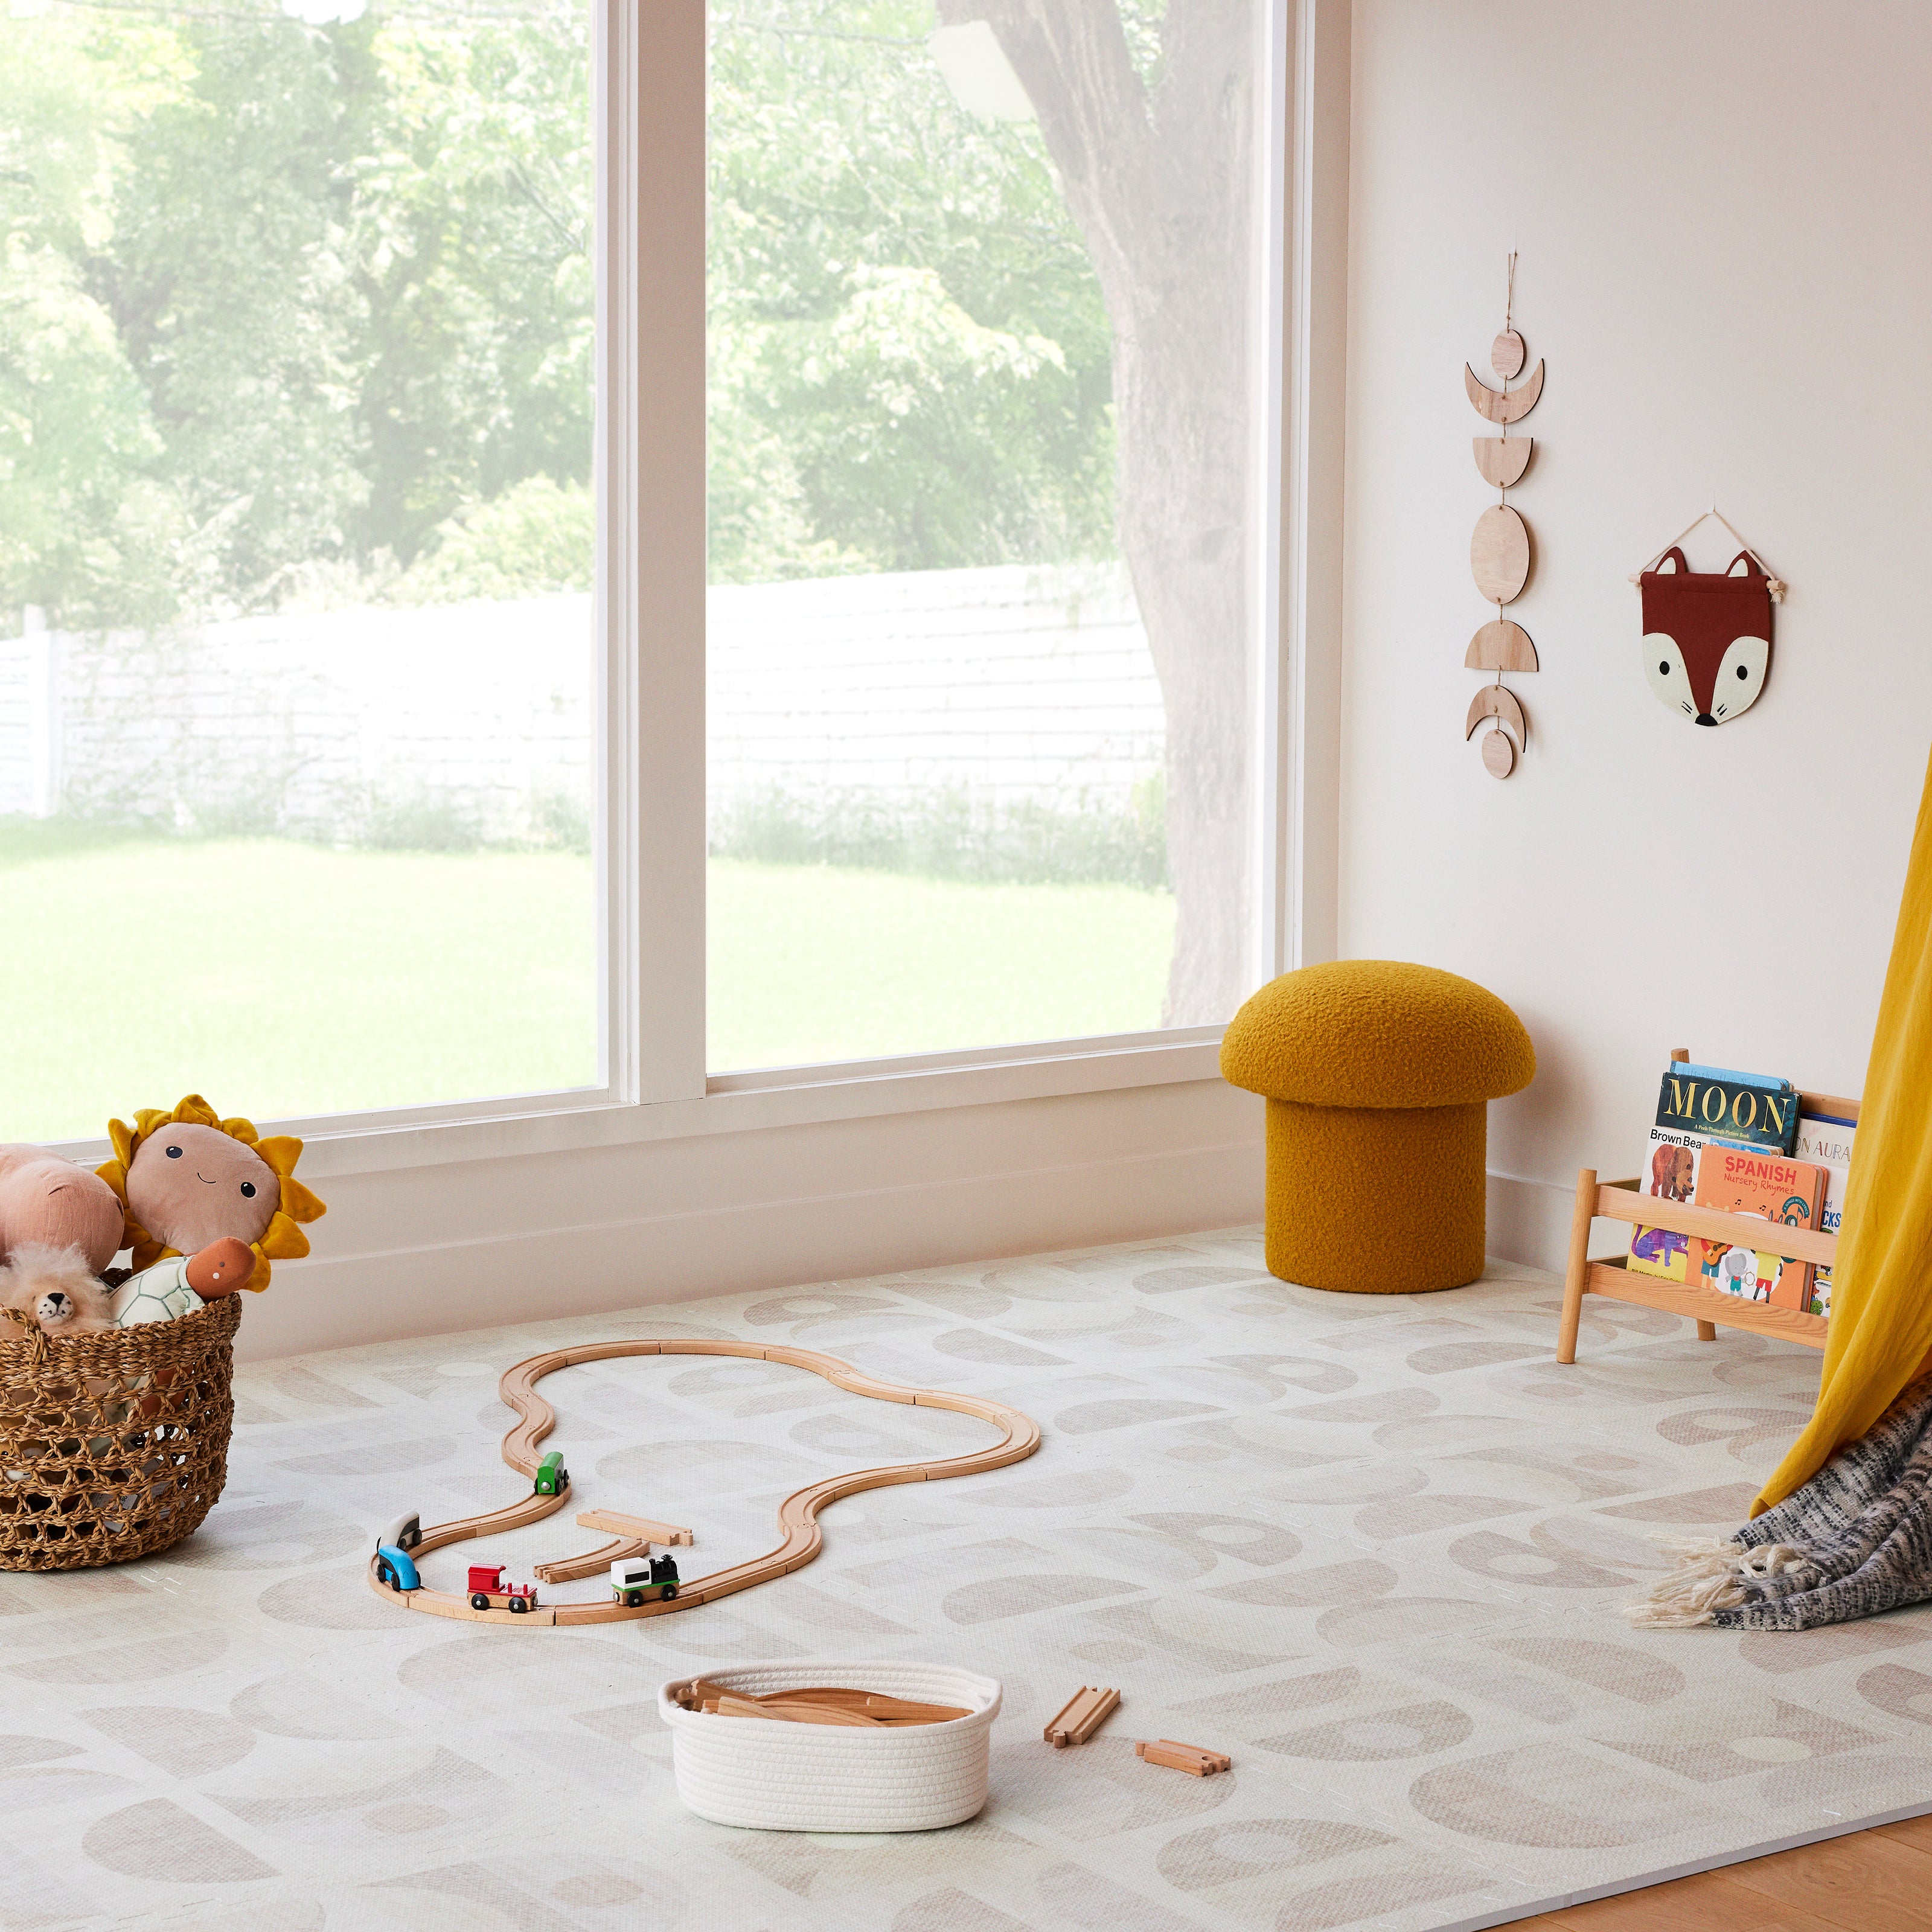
{"type": "Point", "coordinates": [650, 846]}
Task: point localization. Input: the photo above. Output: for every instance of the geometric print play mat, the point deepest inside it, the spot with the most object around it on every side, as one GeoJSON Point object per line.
{"type": "Point", "coordinates": [1372, 1547]}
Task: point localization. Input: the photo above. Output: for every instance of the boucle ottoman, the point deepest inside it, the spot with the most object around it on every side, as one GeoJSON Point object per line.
{"type": "Point", "coordinates": [1378, 1076]}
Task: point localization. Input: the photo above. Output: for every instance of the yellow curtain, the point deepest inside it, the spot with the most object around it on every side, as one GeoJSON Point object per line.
{"type": "Point", "coordinates": [1882, 1286]}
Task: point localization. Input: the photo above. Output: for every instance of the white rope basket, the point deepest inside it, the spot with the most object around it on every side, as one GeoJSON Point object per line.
{"type": "Point", "coordinates": [779, 1777]}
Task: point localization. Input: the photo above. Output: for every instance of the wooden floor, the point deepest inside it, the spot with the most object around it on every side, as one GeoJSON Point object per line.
{"type": "Point", "coordinates": [1875, 1881]}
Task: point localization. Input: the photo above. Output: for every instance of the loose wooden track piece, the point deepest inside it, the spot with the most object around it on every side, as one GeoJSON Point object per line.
{"type": "Point", "coordinates": [798, 1515]}
{"type": "Point", "coordinates": [1501, 645]}
{"type": "Point", "coordinates": [1499, 554]}
{"type": "Point", "coordinates": [1080, 1716]}
{"type": "Point", "coordinates": [1498, 407]}
{"type": "Point", "coordinates": [645, 1528]}
{"type": "Point", "coordinates": [1502, 459]}
{"type": "Point", "coordinates": [1190, 1758]}
{"type": "Point", "coordinates": [635, 1536]}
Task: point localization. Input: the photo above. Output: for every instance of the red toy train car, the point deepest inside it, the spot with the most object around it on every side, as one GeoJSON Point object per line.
{"type": "Point", "coordinates": [488, 1591]}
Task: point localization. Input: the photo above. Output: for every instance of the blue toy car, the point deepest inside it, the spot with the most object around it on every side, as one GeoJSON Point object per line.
{"type": "Point", "coordinates": [396, 1567]}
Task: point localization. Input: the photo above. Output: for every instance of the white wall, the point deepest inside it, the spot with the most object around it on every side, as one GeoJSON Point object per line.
{"type": "Point", "coordinates": [1721, 214]}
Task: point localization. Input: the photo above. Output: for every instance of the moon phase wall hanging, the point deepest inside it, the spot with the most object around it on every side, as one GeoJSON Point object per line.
{"type": "Point", "coordinates": [1707, 634]}
{"type": "Point", "coordinates": [1499, 551]}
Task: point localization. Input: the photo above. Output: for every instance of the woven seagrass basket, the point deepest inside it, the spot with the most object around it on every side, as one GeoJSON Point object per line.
{"type": "Point", "coordinates": [115, 1445]}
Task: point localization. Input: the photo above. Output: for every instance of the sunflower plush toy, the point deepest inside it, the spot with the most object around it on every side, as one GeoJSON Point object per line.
{"type": "Point", "coordinates": [208, 1206]}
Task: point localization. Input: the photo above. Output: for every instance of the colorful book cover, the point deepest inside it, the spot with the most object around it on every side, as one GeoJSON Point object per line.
{"type": "Point", "coordinates": [1751, 1108]}
{"type": "Point", "coordinates": [1742, 1180]}
{"type": "Point", "coordinates": [1826, 1141]}
{"type": "Point", "coordinates": [1696, 1107]}
{"type": "Point", "coordinates": [1670, 1162]}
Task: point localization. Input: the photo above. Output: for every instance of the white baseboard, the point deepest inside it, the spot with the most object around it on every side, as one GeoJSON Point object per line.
{"type": "Point", "coordinates": [471, 1245]}
{"type": "Point", "coordinates": [1529, 1221]}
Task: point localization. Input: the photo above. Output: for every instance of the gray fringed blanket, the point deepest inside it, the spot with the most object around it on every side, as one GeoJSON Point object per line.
{"type": "Point", "coordinates": [1856, 1539]}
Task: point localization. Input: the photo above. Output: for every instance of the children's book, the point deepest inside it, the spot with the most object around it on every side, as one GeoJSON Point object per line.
{"type": "Point", "coordinates": [1751, 1109]}
{"type": "Point", "coordinates": [1752, 1180]}
{"type": "Point", "coordinates": [1826, 1141]}
{"type": "Point", "coordinates": [1698, 1107]}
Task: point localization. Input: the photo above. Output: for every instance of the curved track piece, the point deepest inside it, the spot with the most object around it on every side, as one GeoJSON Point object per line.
{"type": "Point", "coordinates": [798, 1514]}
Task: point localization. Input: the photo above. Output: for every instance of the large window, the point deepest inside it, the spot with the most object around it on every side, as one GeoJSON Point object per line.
{"type": "Point", "coordinates": [985, 441]}
{"type": "Point", "coordinates": [297, 700]}
{"type": "Point", "coordinates": [396, 703]}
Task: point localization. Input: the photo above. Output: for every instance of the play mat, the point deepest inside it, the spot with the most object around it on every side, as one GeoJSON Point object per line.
{"type": "Point", "coordinates": [1371, 1547]}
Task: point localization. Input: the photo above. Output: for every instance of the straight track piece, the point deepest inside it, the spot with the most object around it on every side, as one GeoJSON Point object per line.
{"type": "Point", "coordinates": [1080, 1716]}
{"type": "Point", "coordinates": [1191, 1758]}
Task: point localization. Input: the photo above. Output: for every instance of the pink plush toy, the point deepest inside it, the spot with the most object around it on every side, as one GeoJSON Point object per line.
{"type": "Point", "coordinates": [48, 1202]}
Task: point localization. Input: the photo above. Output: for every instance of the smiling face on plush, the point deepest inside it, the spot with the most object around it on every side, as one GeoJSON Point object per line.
{"type": "Point", "coordinates": [190, 1185]}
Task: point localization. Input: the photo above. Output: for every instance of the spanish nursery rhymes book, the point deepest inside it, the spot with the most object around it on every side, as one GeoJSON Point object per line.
{"type": "Point", "coordinates": [1696, 1107]}
{"type": "Point", "coordinates": [1742, 1180]}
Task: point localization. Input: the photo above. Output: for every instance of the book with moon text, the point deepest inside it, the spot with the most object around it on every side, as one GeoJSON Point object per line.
{"type": "Point", "coordinates": [1697, 1108]}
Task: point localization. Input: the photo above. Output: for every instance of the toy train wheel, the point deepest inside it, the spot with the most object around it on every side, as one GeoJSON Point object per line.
{"type": "Point", "coordinates": [385, 1574]}
{"type": "Point", "coordinates": [632, 1598]}
{"type": "Point", "coordinates": [669, 1590]}
{"type": "Point", "coordinates": [477, 1601]}
{"type": "Point", "coordinates": [519, 1606]}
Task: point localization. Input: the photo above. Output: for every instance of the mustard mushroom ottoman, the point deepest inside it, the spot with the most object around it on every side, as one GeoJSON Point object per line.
{"type": "Point", "coordinates": [1378, 1077]}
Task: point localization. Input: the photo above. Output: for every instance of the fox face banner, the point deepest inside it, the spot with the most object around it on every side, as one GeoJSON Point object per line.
{"type": "Point", "coordinates": [1706, 636]}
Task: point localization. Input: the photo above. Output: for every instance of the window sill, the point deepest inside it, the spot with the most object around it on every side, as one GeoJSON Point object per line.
{"type": "Point", "coordinates": [741, 1103]}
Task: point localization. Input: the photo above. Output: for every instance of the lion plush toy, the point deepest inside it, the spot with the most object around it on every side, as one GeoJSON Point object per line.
{"type": "Point", "coordinates": [208, 1206]}
{"type": "Point", "coordinates": [55, 1288]}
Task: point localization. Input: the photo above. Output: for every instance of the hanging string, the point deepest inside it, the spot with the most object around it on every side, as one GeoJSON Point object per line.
{"type": "Point", "coordinates": [1509, 297]}
{"type": "Point", "coordinates": [1775, 585]}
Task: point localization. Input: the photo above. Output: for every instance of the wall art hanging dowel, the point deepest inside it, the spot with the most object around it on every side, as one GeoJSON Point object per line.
{"type": "Point", "coordinates": [1707, 634]}
{"type": "Point", "coordinates": [1499, 552]}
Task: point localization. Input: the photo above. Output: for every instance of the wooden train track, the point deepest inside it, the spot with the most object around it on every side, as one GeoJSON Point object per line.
{"type": "Point", "coordinates": [798, 1514]}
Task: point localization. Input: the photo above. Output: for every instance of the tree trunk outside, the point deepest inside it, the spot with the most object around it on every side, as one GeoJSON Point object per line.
{"type": "Point", "coordinates": [1159, 181]}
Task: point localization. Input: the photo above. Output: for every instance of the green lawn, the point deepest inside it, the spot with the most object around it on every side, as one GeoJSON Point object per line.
{"type": "Point", "coordinates": [811, 962]}
{"type": "Point", "coordinates": [283, 979]}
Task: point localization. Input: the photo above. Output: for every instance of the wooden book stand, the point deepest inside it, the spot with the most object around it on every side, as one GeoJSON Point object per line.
{"type": "Point", "coordinates": [1624, 1202]}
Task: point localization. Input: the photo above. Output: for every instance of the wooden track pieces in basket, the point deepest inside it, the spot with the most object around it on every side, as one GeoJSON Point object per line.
{"type": "Point", "coordinates": [798, 1514]}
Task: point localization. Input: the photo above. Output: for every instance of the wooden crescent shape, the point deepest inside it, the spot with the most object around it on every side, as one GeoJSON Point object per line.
{"type": "Point", "coordinates": [1499, 554]}
{"type": "Point", "coordinates": [1501, 646]}
{"type": "Point", "coordinates": [798, 1514]}
{"type": "Point", "coordinates": [1498, 407]}
{"type": "Point", "coordinates": [1499, 702]}
{"type": "Point", "coordinates": [1502, 459]}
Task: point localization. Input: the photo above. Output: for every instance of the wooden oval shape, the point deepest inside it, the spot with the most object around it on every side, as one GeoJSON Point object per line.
{"type": "Point", "coordinates": [1499, 554]}
{"type": "Point", "coordinates": [1507, 354]}
{"type": "Point", "coordinates": [1504, 408]}
{"type": "Point", "coordinates": [1499, 702]}
{"type": "Point", "coordinates": [1501, 646]}
{"type": "Point", "coordinates": [1499, 754]}
{"type": "Point", "coordinates": [1502, 459]}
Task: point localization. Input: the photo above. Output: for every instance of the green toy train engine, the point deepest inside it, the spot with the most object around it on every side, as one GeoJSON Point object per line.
{"type": "Point", "coordinates": [633, 1579]}
{"type": "Point", "coordinates": [553, 1478]}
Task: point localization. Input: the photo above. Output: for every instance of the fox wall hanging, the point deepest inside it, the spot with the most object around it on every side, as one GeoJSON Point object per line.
{"type": "Point", "coordinates": [1499, 549]}
{"type": "Point", "coordinates": [1707, 634]}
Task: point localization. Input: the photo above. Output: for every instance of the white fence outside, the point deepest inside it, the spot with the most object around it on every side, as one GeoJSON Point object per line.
{"type": "Point", "coordinates": [1014, 684]}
